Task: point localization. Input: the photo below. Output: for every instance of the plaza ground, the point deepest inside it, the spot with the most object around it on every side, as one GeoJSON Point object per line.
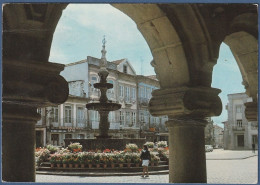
{"type": "Point", "coordinates": [223, 167]}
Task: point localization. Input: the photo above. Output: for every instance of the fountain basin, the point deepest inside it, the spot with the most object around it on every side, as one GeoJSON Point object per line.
{"type": "Point", "coordinates": [107, 106]}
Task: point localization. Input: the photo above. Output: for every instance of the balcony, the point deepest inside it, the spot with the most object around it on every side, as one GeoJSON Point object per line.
{"type": "Point", "coordinates": [238, 128]}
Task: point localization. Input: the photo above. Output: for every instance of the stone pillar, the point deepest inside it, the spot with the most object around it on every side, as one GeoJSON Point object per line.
{"type": "Point", "coordinates": [187, 108]}
{"type": "Point", "coordinates": [26, 86]}
{"type": "Point", "coordinates": [187, 156]}
{"type": "Point", "coordinates": [103, 124]}
{"type": "Point", "coordinates": [251, 111]}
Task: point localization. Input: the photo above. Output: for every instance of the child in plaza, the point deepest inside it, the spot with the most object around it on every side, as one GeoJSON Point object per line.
{"type": "Point", "coordinates": [146, 157]}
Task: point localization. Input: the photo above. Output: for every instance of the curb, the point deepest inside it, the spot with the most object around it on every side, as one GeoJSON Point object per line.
{"type": "Point", "coordinates": [233, 158]}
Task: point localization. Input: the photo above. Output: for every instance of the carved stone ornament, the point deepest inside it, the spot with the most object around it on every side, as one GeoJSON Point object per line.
{"type": "Point", "coordinates": [186, 101]}
{"type": "Point", "coordinates": [33, 83]}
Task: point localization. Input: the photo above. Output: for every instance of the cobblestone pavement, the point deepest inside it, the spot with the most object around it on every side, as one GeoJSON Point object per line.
{"type": "Point", "coordinates": [236, 171]}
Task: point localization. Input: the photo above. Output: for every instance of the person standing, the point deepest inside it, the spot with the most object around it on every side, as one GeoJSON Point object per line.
{"type": "Point", "coordinates": [253, 147]}
{"type": "Point", "coordinates": [145, 157]}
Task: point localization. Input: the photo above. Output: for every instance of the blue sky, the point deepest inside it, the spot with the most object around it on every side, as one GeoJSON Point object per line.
{"type": "Point", "coordinates": [80, 31]}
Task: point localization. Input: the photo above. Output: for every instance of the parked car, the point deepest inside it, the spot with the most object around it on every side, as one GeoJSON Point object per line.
{"type": "Point", "coordinates": [208, 148]}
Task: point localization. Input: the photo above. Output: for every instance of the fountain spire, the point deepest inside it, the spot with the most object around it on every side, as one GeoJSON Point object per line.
{"type": "Point", "coordinates": [103, 65]}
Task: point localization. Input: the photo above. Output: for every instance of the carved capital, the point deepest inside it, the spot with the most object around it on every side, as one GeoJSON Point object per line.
{"type": "Point", "coordinates": [186, 101]}
{"type": "Point", "coordinates": [33, 83]}
{"type": "Point", "coordinates": [251, 111]}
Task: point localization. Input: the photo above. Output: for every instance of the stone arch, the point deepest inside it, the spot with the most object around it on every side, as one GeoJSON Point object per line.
{"type": "Point", "coordinates": [179, 41]}
{"type": "Point", "coordinates": [245, 50]}
{"type": "Point", "coordinates": [242, 39]}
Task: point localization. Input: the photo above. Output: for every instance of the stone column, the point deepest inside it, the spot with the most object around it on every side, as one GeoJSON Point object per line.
{"type": "Point", "coordinates": [251, 111]}
{"type": "Point", "coordinates": [26, 86]}
{"type": "Point", "coordinates": [187, 151]}
{"type": "Point", "coordinates": [103, 124]}
{"type": "Point", "coordinates": [187, 108]}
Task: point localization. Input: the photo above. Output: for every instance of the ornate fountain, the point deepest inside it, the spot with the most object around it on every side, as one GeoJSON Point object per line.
{"type": "Point", "coordinates": [104, 106]}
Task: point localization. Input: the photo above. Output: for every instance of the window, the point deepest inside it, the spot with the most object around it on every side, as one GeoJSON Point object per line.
{"type": "Point", "coordinates": [68, 114]}
{"type": "Point", "coordinates": [125, 68]}
{"type": "Point", "coordinates": [93, 81]}
{"type": "Point", "coordinates": [239, 123]}
{"type": "Point", "coordinates": [94, 116]}
{"type": "Point", "coordinates": [128, 119]}
{"type": "Point", "coordinates": [39, 110]}
{"type": "Point", "coordinates": [142, 116]}
{"type": "Point", "coordinates": [238, 108]}
{"type": "Point", "coordinates": [133, 93]}
{"type": "Point", "coordinates": [127, 94]}
{"type": "Point", "coordinates": [81, 136]}
{"type": "Point", "coordinates": [148, 91]}
{"type": "Point", "coordinates": [111, 117]}
{"type": "Point", "coordinates": [80, 114]}
{"type": "Point", "coordinates": [121, 91]}
{"type": "Point", "coordinates": [133, 118]}
{"type": "Point", "coordinates": [141, 91]}
{"type": "Point", "coordinates": [121, 117]}
{"type": "Point", "coordinates": [145, 92]}
{"type": "Point", "coordinates": [112, 89]}
{"type": "Point", "coordinates": [55, 114]}
{"type": "Point", "coordinates": [55, 139]}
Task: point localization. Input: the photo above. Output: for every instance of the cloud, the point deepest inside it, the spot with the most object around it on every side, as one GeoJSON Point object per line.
{"type": "Point", "coordinates": [106, 19]}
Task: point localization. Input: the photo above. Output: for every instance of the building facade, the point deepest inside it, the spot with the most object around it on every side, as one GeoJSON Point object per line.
{"type": "Point", "coordinates": [239, 133]}
{"type": "Point", "coordinates": [72, 120]}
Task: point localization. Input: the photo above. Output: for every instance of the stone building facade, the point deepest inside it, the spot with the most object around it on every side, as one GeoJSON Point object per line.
{"type": "Point", "coordinates": [71, 120]}
{"type": "Point", "coordinates": [239, 133]}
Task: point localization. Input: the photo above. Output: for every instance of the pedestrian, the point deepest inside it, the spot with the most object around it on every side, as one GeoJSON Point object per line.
{"type": "Point", "coordinates": [253, 147]}
{"type": "Point", "coordinates": [145, 157]}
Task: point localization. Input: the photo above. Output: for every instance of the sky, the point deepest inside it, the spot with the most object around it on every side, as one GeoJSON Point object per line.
{"type": "Point", "coordinates": [80, 31]}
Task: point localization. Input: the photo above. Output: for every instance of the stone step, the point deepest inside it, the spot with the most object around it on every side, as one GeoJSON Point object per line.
{"type": "Point", "coordinates": [101, 169]}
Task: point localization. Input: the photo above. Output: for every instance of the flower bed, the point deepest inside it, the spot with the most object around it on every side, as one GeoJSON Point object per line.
{"type": "Point", "coordinates": [74, 157]}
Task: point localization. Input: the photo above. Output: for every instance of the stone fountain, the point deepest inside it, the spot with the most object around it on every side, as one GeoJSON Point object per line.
{"type": "Point", "coordinates": [104, 106]}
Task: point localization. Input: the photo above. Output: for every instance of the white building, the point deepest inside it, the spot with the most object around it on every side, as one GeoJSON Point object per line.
{"type": "Point", "coordinates": [73, 120]}
{"type": "Point", "coordinates": [238, 132]}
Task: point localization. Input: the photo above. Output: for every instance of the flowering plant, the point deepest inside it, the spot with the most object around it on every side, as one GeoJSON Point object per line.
{"type": "Point", "coordinates": [56, 158]}
{"type": "Point", "coordinates": [82, 157]}
{"type": "Point", "coordinates": [96, 159]}
{"type": "Point", "coordinates": [136, 158]}
{"type": "Point", "coordinates": [106, 151]}
{"type": "Point", "coordinates": [128, 157]}
{"type": "Point", "coordinates": [104, 158]}
{"type": "Point", "coordinates": [75, 147]}
{"type": "Point", "coordinates": [65, 158]}
{"type": "Point", "coordinates": [52, 148]}
{"type": "Point", "coordinates": [149, 144]}
{"type": "Point", "coordinates": [162, 144]}
{"type": "Point", "coordinates": [121, 160]}
{"type": "Point", "coordinates": [133, 147]}
{"type": "Point", "coordinates": [41, 154]}
{"type": "Point", "coordinates": [154, 158]}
